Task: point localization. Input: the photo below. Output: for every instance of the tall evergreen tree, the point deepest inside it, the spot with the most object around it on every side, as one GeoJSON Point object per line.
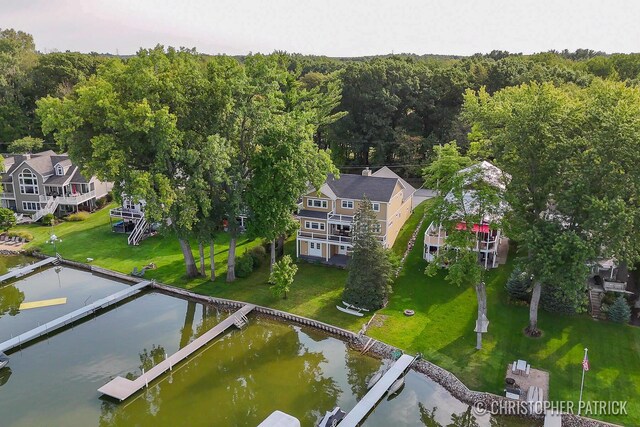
{"type": "Point", "coordinates": [370, 272]}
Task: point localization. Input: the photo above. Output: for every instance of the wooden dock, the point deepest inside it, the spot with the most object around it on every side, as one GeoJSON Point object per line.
{"type": "Point", "coordinates": [71, 317]}
{"type": "Point", "coordinates": [26, 269]}
{"type": "Point", "coordinates": [373, 396]}
{"type": "Point", "coordinates": [122, 388]}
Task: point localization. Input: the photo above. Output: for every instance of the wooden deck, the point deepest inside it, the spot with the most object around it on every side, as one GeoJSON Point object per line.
{"type": "Point", "coordinates": [373, 396]}
{"type": "Point", "coordinates": [122, 388]}
{"type": "Point", "coordinates": [26, 269]}
{"type": "Point", "coordinates": [71, 317]}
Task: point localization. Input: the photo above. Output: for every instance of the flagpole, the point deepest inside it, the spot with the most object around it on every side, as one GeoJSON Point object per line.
{"type": "Point", "coordinates": [582, 383]}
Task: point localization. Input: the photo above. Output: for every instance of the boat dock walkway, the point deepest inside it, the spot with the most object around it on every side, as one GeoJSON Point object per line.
{"type": "Point", "coordinates": [26, 269]}
{"type": "Point", "coordinates": [373, 396]}
{"type": "Point", "coordinates": [71, 317]}
{"type": "Point", "coordinates": [122, 388]}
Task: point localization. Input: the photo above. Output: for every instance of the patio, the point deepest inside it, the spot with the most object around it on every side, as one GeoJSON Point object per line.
{"type": "Point", "coordinates": [336, 260]}
{"type": "Point", "coordinates": [535, 378]}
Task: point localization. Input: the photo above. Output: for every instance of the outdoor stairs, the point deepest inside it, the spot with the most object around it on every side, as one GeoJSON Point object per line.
{"type": "Point", "coordinates": [49, 208]}
{"type": "Point", "coordinates": [240, 320]}
{"type": "Point", "coordinates": [138, 232]}
{"type": "Point", "coordinates": [595, 301]}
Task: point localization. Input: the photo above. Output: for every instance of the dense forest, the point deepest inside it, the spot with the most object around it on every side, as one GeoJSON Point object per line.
{"type": "Point", "coordinates": [398, 107]}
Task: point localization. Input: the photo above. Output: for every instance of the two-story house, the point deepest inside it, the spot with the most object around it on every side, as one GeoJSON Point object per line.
{"type": "Point", "coordinates": [34, 185]}
{"type": "Point", "coordinates": [326, 215]}
{"type": "Point", "coordinates": [489, 237]}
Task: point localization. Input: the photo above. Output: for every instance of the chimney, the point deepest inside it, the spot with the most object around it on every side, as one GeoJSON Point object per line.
{"type": "Point", "coordinates": [366, 172]}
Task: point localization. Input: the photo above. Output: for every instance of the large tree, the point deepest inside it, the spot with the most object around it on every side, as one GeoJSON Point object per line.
{"type": "Point", "coordinates": [470, 203]}
{"type": "Point", "coordinates": [573, 192]}
{"type": "Point", "coordinates": [270, 130]}
{"type": "Point", "coordinates": [145, 124]}
{"type": "Point", "coordinates": [370, 272]}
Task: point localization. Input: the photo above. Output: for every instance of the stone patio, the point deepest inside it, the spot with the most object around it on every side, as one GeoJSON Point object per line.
{"type": "Point", "coordinates": [536, 378]}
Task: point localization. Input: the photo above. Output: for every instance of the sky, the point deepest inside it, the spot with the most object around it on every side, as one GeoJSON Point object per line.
{"type": "Point", "coordinates": [328, 27]}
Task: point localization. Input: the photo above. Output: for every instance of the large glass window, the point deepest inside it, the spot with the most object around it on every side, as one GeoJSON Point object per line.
{"type": "Point", "coordinates": [30, 206]}
{"type": "Point", "coordinates": [28, 182]}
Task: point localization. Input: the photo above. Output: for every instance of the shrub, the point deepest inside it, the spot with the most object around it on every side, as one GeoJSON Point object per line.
{"type": "Point", "coordinates": [557, 299]}
{"type": "Point", "coordinates": [619, 311]}
{"type": "Point", "coordinates": [48, 219]}
{"type": "Point", "coordinates": [109, 197]}
{"type": "Point", "coordinates": [257, 254]}
{"type": "Point", "coordinates": [244, 265]}
{"type": "Point", "coordinates": [7, 219]}
{"type": "Point", "coordinates": [519, 285]}
{"type": "Point", "coordinates": [78, 216]}
{"type": "Point", "coordinates": [23, 234]}
{"type": "Point", "coordinates": [101, 202]}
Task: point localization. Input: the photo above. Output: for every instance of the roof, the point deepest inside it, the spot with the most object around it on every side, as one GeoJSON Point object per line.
{"type": "Point", "coordinates": [385, 172]}
{"type": "Point", "coordinates": [489, 173]}
{"type": "Point", "coordinates": [377, 189]}
{"type": "Point", "coordinates": [44, 163]}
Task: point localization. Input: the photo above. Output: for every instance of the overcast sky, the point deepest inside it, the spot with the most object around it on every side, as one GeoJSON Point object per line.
{"type": "Point", "coordinates": [328, 27]}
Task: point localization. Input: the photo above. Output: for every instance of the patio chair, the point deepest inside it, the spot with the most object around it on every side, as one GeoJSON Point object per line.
{"type": "Point", "coordinates": [528, 369]}
{"type": "Point", "coordinates": [135, 271]}
{"type": "Point", "coordinates": [3, 237]}
{"type": "Point", "coordinates": [514, 367]}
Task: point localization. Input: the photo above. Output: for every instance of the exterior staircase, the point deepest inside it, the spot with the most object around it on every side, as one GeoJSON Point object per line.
{"type": "Point", "coordinates": [595, 301]}
{"type": "Point", "coordinates": [138, 232]}
{"type": "Point", "coordinates": [49, 208]}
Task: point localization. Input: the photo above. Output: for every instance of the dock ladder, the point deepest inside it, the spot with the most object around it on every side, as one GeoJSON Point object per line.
{"type": "Point", "coordinates": [240, 320]}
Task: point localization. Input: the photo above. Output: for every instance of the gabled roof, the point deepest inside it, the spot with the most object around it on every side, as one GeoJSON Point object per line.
{"type": "Point", "coordinates": [349, 186]}
{"type": "Point", "coordinates": [385, 172]}
{"type": "Point", "coordinates": [44, 163]}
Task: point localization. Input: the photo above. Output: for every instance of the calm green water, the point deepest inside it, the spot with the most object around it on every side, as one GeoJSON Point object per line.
{"type": "Point", "coordinates": [238, 380]}
{"type": "Point", "coordinates": [79, 287]}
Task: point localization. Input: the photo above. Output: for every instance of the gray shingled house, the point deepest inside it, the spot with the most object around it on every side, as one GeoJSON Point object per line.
{"type": "Point", "coordinates": [37, 184]}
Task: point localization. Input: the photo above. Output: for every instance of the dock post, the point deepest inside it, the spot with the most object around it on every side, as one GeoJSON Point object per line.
{"type": "Point", "coordinates": [167, 358]}
{"type": "Point", "coordinates": [146, 382]}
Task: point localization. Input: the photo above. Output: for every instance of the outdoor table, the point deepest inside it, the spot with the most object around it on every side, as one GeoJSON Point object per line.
{"type": "Point", "coordinates": [521, 366]}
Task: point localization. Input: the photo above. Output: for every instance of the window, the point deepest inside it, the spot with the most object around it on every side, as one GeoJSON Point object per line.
{"type": "Point", "coordinates": [30, 206]}
{"type": "Point", "coordinates": [28, 182]}
{"type": "Point", "coordinates": [376, 206]}
{"type": "Point", "coordinates": [312, 225]}
{"type": "Point", "coordinates": [376, 228]}
{"type": "Point", "coordinates": [317, 203]}
{"type": "Point", "coordinates": [59, 170]}
{"type": "Point", "coordinates": [347, 204]}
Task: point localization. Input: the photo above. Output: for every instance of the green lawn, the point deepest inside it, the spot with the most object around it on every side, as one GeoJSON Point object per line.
{"type": "Point", "coordinates": [316, 291]}
{"type": "Point", "coordinates": [442, 328]}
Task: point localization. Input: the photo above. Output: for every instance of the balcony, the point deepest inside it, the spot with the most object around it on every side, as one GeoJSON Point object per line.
{"type": "Point", "coordinates": [126, 213]}
{"type": "Point", "coordinates": [75, 198]}
{"type": "Point", "coordinates": [334, 218]}
{"type": "Point", "coordinates": [329, 238]}
{"type": "Point", "coordinates": [11, 196]}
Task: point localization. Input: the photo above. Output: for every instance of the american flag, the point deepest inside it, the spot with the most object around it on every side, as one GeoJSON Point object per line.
{"type": "Point", "coordinates": [585, 363]}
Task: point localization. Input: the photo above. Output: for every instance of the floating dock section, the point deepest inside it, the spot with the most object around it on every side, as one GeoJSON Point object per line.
{"type": "Point", "coordinates": [71, 317]}
{"type": "Point", "coordinates": [362, 408]}
{"type": "Point", "coordinates": [122, 388]}
{"type": "Point", "coordinates": [27, 269]}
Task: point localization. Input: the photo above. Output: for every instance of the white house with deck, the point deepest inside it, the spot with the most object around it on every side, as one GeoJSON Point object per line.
{"type": "Point", "coordinates": [489, 237]}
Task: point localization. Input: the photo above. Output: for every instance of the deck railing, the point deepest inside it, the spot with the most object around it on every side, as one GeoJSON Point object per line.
{"type": "Point", "coordinates": [126, 213]}
{"type": "Point", "coordinates": [7, 195]}
{"type": "Point", "coordinates": [335, 217]}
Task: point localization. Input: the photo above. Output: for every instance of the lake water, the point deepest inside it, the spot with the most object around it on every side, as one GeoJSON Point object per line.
{"type": "Point", "coordinates": [237, 380]}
